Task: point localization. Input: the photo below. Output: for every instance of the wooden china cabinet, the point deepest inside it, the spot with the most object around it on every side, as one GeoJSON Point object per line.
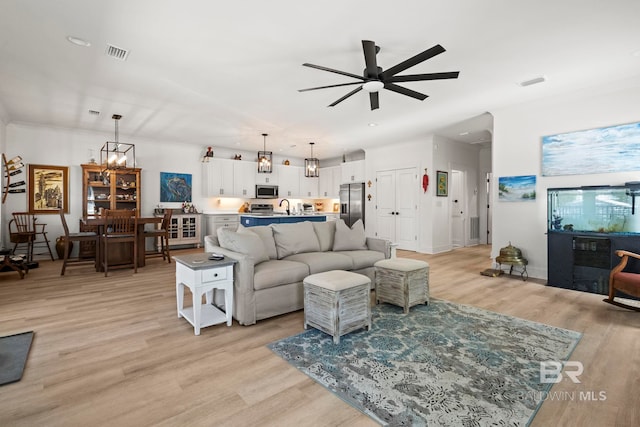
{"type": "Point", "coordinates": [102, 189]}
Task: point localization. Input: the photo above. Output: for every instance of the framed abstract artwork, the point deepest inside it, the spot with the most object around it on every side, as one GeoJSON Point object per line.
{"type": "Point", "coordinates": [599, 150]}
{"type": "Point", "coordinates": [48, 189]}
{"type": "Point", "coordinates": [442, 183]}
{"type": "Point", "coordinates": [175, 187]}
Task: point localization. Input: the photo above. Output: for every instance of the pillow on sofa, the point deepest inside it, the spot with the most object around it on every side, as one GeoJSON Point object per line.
{"type": "Point", "coordinates": [266, 235]}
{"type": "Point", "coordinates": [349, 239]}
{"type": "Point", "coordinates": [325, 231]}
{"type": "Point", "coordinates": [245, 243]}
{"type": "Point", "coordinates": [295, 238]}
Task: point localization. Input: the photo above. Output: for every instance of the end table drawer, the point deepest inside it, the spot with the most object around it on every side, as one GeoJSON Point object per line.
{"type": "Point", "coordinates": [214, 275]}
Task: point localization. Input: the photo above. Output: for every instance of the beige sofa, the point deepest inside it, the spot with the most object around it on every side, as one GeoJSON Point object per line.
{"type": "Point", "coordinates": [274, 260]}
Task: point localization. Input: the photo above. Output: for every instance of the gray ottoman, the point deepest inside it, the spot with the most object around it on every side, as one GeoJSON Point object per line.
{"type": "Point", "coordinates": [402, 281]}
{"type": "Point", "coordinates": [337, 302]}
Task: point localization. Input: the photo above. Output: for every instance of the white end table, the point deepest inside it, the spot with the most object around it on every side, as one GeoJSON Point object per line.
{"type": "Point", "coordinates": [202, 276]}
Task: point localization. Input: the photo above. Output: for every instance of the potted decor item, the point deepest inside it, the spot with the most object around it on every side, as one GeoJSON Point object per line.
{"type": "Point", "coordinates": [60, 247]}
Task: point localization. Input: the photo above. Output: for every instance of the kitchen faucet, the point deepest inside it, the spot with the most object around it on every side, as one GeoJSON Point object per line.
{"type": "Point", "coordinates": [285, 200]}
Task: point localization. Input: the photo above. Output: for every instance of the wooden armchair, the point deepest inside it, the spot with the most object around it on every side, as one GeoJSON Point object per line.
{"type": "Point", "coordinates": [624, 281]}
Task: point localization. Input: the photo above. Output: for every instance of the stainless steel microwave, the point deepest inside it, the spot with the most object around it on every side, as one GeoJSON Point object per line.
{"type": "Point", "coordinates": [266, 191]}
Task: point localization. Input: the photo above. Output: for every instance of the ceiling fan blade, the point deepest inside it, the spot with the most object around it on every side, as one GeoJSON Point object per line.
{"type": "Point", "coordinates": [373, 98]}
{"type": "Point", "coordinates": [415, 60]}
{"type": "Point", "coordinates": [331, 70]}
{"type": "Point", "coordinates": [404, 91]}
{"type": "Point", "coordinates": [369, 49]}
{"type": "Point", "coordinates": [353, 92]}
{"type": "Point", "coordinates": [420, 77]}
{"type": "Point", "coordinates": [326, 87]}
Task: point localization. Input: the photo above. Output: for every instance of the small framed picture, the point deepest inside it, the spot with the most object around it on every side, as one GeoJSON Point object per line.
{"type": "Point", "coordinates": [442, 183]}
{"type": "Point", "coordinates": [48, 189]}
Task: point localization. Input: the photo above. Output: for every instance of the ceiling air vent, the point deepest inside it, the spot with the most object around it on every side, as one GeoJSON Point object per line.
{"type": "Point", "coordinates": [117, 52]}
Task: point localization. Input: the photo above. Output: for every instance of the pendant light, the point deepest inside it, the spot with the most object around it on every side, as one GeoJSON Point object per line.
{"type": "Point", "coordinates": [117, 155]}
{"type": "Point", "coordinates": [265, 157]}
{"type": "Point", "coordinates": [311, 165]}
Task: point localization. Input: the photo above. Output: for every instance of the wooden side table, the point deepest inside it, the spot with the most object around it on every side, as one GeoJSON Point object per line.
{"type": "Point", "coordinates": [202, 276]}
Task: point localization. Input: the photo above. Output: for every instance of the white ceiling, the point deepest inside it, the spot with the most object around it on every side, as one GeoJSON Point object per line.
{"type": "Point", "coordinates": [222, 73]}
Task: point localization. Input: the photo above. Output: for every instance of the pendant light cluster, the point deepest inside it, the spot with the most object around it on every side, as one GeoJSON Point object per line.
{"type": "Point", "coordinates": [265, 158]}
{"type": "Point", "coordinates": [311, 165]}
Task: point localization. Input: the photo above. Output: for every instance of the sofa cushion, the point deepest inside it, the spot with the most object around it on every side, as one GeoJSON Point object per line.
{"type": "Point", "coordinates": [245, 243]}
{"type": "Point", "coordinates": [325, 232]}
{"type": "Point", "coordinates": [323, 261]}
{"type": "Point", "coordinates": [363, 258]}
{"type": "Point", "coordinates": [274, 273]}
{"type": "Point", "coordinates": [349, 239]}
{"type": "Point", "coordinates": [295, 238]}
{"type": "Point", "coordinates": [266, 235]}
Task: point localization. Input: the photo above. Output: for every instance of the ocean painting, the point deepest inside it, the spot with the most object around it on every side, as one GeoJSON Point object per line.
{"type": "Point", "coordinates": [175, 187]}
{"type": "Point", "coordinates": [601, 150]}
{"type": "Point", "coordinates": [517, 188]}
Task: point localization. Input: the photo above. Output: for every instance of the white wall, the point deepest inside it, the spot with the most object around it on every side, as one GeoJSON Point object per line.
{"type": "Point", "coordinates": [517, 137]}
{"type": "Point", "coordinates": [69, 147]}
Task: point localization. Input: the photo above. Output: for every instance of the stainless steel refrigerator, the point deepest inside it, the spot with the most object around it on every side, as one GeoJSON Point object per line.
{"type": "Point", "coordinates": [352, 203]}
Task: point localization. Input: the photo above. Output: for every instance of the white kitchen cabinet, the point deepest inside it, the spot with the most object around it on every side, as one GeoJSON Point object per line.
{"type": "Point", "coordinates": [308, 186]}
{"type": "Point", "coordinates": [352, 172]}
{"type": "Point", "coordinates": [244, 179]}
{"type": "Point", "coordinates": [217, 177]}
{"type": "Point", "coordinates": [329, 183]}
{"type": "Point", "coordinates": [267, 178]}
{"type": "Point", "coordinates": [289, 180]}
{"type": "Point", "coordinates": [216, 221]}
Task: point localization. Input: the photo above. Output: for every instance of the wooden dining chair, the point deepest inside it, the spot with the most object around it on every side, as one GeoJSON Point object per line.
{"type": "Point", "coordinates": [625, 282]}
{"type": "Point", "coordinates": [161, 233]}
{"type": "Point", "coordinates": [68, 238]}
{"type": "Point", "coordinates": [120, 226]}
{"type": "Point", "coordinates": [22, 231]}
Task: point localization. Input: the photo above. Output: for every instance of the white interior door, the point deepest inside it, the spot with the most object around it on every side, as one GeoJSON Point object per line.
{"type": "Point", "coordinates": [386, 204]}
{"type": "Point", "coordinates": [457, 197]}
{"type": "Point", "coordinates": [405, 191]}
{"type": "Point", "coordinates": [396, 213]}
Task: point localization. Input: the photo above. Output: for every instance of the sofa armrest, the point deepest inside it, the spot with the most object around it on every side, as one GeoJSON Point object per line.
{"type": "Point", "coordinates": [243, 271]}
{"type": "Point", "coordinates": [380, 245]}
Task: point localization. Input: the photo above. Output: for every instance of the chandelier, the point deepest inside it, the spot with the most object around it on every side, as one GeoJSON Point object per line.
{"type": "Point", "coordinates": [117, 155]}
{"type": "Point", "coordinates": [265, 157]}
{"type": "Point", "coordinates": [311, 165]}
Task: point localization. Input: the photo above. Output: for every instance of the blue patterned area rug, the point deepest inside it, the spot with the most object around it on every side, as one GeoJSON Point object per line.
{"type": "Point", "coordinates": [444, 364]}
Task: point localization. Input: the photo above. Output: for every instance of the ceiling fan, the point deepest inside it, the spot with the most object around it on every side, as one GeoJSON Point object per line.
{"type": "Point", "coordinates": [374, 78]}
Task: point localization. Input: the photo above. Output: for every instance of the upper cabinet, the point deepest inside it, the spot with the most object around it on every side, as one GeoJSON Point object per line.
{"type": "Point", "coordinates": [308, 186]}
{"type": "Point", "coordinates": [329, 183]}
{"type": "Point", "coordinates": [352, 172]}
{"type": "Point", "coordinates": [114, 189]}
{"type": "Point", "coordinates": [288, 180]}
{"type": "Point", "coordinates": [229, 178]}
{"type": "Point", "coordinates": [267, 178]}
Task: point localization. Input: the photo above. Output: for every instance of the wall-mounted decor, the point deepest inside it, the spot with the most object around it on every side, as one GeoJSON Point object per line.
{"type": "Point", "coordinates": [599, 150]}
{"type": "Point", "coordinates": [48, 189]}
{"type": "Point", "coordinates": [175, 187]}
{"type": "Point", "coordinates": [442, 182]}
{"type": "Point", "coordinates": [517, 188]}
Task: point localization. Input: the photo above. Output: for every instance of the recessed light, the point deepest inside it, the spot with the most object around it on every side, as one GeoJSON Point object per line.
{"type": "Point", "coordinates": [78, 41]}
{"type": "Point", "coordinates": [373, 125]}
{"type": "Point", "coordinates": [463, 133]}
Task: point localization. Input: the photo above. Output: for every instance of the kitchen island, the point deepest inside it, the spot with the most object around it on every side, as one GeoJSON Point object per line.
{"type": "Point", "coordinates": [249, 220]}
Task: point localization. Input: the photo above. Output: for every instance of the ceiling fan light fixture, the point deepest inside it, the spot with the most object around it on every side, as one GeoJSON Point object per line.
{"type": "Point", "coordinates": [311, 165]}
{"type": "Point", "coordinates": [265, 163]}
{"type": "Point", "coordinates": [373, 86]}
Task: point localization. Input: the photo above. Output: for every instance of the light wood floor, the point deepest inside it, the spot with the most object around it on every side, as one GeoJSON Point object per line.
{"type": "Point", "coordinates": [111, 351]}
